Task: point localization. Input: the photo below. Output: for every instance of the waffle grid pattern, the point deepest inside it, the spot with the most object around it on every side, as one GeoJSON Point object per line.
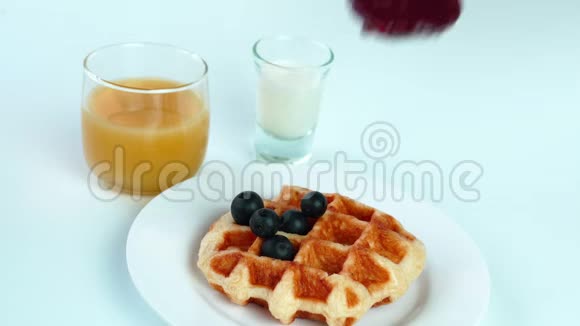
{"type": "Point", "coordinates": [355, 257]}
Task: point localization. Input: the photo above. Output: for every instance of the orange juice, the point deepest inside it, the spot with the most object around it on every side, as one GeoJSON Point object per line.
{"type": "Point", "coordinates": [144, 142]}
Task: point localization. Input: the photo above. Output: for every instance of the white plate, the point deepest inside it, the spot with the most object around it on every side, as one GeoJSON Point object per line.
{"type": "Point", "coordinates": [162, 250]}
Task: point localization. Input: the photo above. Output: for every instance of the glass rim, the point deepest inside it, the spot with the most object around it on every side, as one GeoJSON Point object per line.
{"type": "Point", "coordinates": [111, 84]}
{"type": "Point", "coordinates": [319, 44]}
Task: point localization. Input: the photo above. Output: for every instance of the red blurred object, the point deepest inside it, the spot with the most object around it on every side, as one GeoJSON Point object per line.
{"type": "Point", "coordinates": [407, 17]}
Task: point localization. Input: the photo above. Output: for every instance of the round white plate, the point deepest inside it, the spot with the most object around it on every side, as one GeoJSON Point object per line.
{"type": "Point", "coordinates": [164, 239]}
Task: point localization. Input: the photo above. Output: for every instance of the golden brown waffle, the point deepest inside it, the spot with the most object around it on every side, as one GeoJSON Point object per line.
{"type": "Point", "coordinates": [355, 257]}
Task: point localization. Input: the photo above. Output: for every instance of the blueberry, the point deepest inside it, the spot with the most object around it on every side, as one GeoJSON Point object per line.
{"type": "Point", "coordinates": [278, 247]}
{"type": "Point", "coordinates": [294, 221]}
{"type": "Point", "coordinates": [244, 205]}
{"type": "Point", "coordinates": [313, 204]}
{"type": "Point", "coordinates": [265, 223]}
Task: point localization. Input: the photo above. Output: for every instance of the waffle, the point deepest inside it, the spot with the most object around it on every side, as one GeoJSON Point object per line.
{"type": "Point", "coordinates": [354, 258]}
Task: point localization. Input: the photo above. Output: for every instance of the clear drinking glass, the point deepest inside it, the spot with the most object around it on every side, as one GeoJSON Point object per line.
{"type": "Point", "coordinates": [291, 74]}
{"type": "Point", "coordinates": [145, 115]}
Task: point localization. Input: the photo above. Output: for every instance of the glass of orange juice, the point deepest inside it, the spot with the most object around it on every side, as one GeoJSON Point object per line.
{"type": "Point", "coordinates": [145, 115]}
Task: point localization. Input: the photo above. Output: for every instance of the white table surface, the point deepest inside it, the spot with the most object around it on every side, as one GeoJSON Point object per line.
{"type": "Point", "coordinates": [500, 88]}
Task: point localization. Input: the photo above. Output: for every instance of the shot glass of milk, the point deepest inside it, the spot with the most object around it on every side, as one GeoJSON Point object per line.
{"type": "Point", "coordinates": [291, 74]}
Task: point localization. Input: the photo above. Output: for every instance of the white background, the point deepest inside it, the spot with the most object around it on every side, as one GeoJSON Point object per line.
{"type": "Point", "coordinates": [500, 88]}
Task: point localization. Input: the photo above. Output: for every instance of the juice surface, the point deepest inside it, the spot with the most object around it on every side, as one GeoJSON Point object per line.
{"type": "Point", "coordinates": [151, 141]}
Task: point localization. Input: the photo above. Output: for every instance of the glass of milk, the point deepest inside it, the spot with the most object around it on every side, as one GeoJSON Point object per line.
{"type": "Point", "coordinates": [291, 73]}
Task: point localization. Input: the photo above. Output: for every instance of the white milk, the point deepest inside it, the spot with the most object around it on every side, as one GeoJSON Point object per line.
{"type": "Point", "coordinates": [288, 100]}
